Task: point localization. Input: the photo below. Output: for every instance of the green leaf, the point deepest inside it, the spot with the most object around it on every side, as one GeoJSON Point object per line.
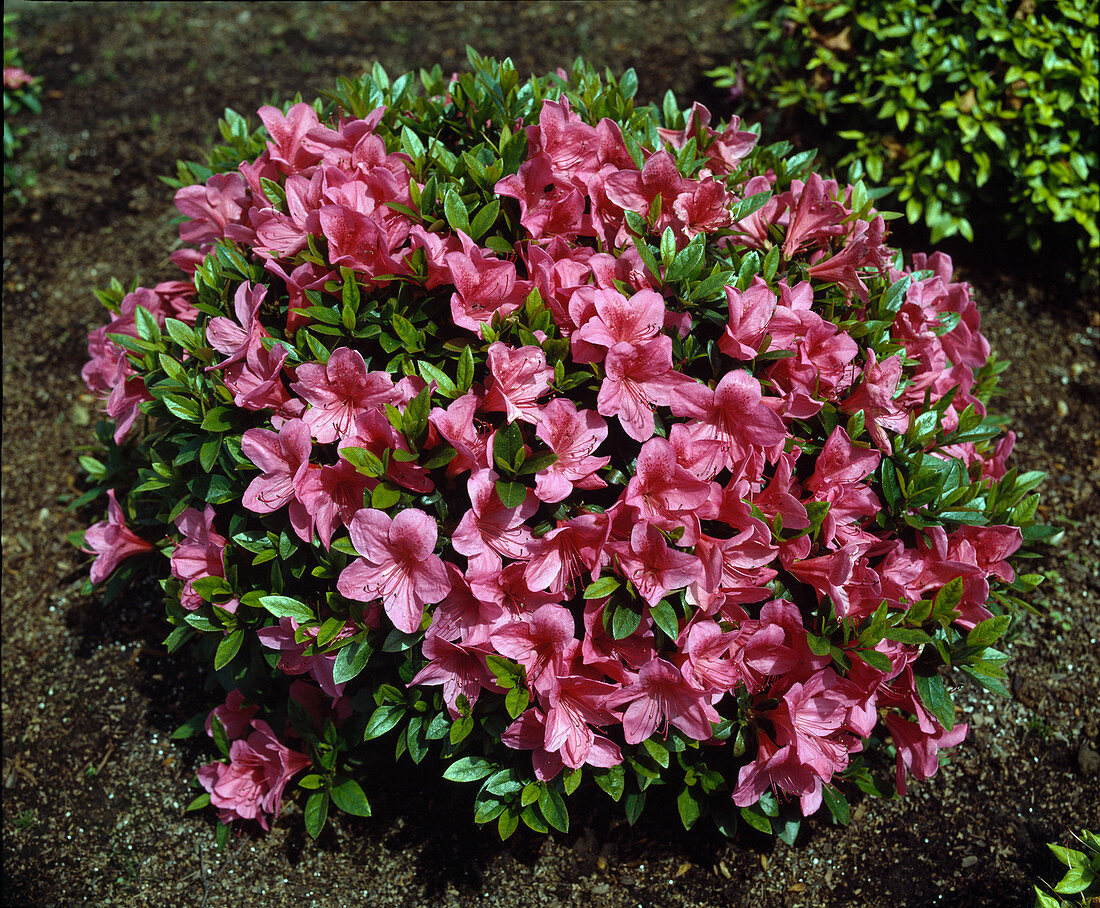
{"type": "Point", "coordinates": [516, 700]}
{"type": "Point", "coordinates": [612, 780]}
{"type": "Point", "coordinates": [407, 333]}
{"type": "Point", "coordinates": [553, 808]}
{"type": "Point", "coordinates": [989, 631]}
{"type": "Point", "coordinates": [484, 219]}
{"type": "Point", "coordinates": [508, 448]}
{"type": "Point", "coordinates": [624, 621]}
{"type": "Point", "coordinates": [633, 805]}
{"type": "Point", "coordinates": [384, 496]}
{"type": "Point", "coordinates": [468, 769]}
{"type": "Point", "coordinates": [201, 801]}
{"type": "Point", "coordinates": [601, 588]}
{"type": "Point", "coordinates": [316, 813]}
{"type": "Point", "coordinates": [455, 210]}
{"type": "Point", "coordinates": [384, 718]}
{"type": "Point", "coordinates": [756, 819]}
{"type": "Point", "coordinates": [989, 676]}
{"type": "Point", "coordinates": [350, 661]}
{"type": "Point", "coordinates": [688, 807]}
{"type": "Point", "coordinates": [288, 607]}
{"type": "Point", "coordinates": [837, 804]}
{"type": "Point", "coordinates": [507, 823]}
{"type": "Point", "coordinates": [688, 261]}
{"type": "Point", "coordinates": [949, 596]}
{"type": "Point", "coordinates": [228, 648]}
{"type": "Point", "coordinates": [465, 370]}
{"type": "Point", "coordinates": [789, 831]}
{"type": "Point", "coordinates": [432, 373]}
{"type": "Point", "coordinates": [182, 407]}
{"type": "Point", "coordinates": [665, 617]}
{"type": "Point", "coordinates": [511, 494]}
{"type": "Point", "coordinates": [350, 798]}
{"type": "Point", "coordinates": [933, 694]}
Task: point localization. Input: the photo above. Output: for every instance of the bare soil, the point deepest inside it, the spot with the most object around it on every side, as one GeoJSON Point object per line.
{"type": "Point", "coordinates": [93, 790]}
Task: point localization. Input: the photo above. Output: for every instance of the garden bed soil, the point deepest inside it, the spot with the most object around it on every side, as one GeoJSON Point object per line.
{"type": "Point", "coordinates": [94, 791]}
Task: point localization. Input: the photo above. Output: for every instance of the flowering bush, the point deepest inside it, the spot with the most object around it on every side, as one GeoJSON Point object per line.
{"type": "Point", "coordinates": [21, 93]}
{"type": "Point", "coordinates": [565, 439]}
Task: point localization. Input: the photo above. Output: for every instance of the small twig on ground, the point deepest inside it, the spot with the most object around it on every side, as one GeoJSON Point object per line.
{"type": "Point", "coordinates": [106, 757]}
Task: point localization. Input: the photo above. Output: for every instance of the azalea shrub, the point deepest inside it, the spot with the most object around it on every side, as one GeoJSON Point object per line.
{"type": "Point", "coordinates": [21, 91]}
{"type": "Point", "coordinates": [568, 441]}
{"type": "Point", "coordinates": [960, 109]}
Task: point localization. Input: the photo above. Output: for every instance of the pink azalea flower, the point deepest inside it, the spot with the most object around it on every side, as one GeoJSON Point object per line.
{"type": "Point", "coordinates": [653, 567]}
{"type": "Point", "coordinates": [547, 206]}
{"type": "Point", "coordinates": [874, 397]}
{"type": "Point", "coordinates": [251, 786]}
{"type": "Point", "coordinates": [660, 695]}
{"type": "Point", "coordinates": [484, 284]}
{"type": "Point", "coordinates": [724, 150]}
{"type": "Point", "coordinates": [457, 425]}
{"type": "Point", "coordinates": [467, 616]}
{"type": "Point", "coordinates": [777, 767]}
{"type": "Point", "coordinates": [112, 541]}
{"type": "Point", "coordinates": [490, 530]}
{"type": "Point", "coordinates": [665, 494]}
{"type": "Point", "coordinates": [780, 497]}
{"type": "Point", "coordinates": [570, 144]}
{"type": "Point", "coordinates": [293, 658]}
{"type": "Point", "coordinates": [754, 231]}
{"type": "Point", "coordinates": [918, 750]}
{"type": "Point", "coordinates": [517, 378]}
{"type": "Point", "coordinates": [331, 496]}
{"type": "Point", "coordinates": [638, 378]}
{"type": "Point", "coordinates": [829, 575]}
{"type": "Point", "coordinates": [750, 313]}
{"type": "Point", "coordinates": [288, 146]}
{"type": "Point", "coordinates": [233, 715]}
{"type": "Point", "coordinates": [338, 392]}
{"type": "Point", "coordinates": [618, 320]}
{"type": "Point", "coordinates": [16, 77]}
{"type": "Point", "coordinates": [739, 420]}
{"type": "Point", "coordinates": [198, 554]}
{"type": "Point", "coordinates": [397, 565]}
{"type": "Point", "coordinates": [706, 664]}
{"type": "Point", "coordinates": [257, 382]}
{"type": "Point", "coordinates": [233, 338]}
{"type": "Point", "coordinates": [544, 644]}
{"type": "Point", "coordinates": [633, 190]}
{"type": "Point", "coordinates": [810, 718]}
{"type": "Point", "coordinates": [128, 393]}
{"type": "Point", "coordinates": [576, 703]}
{"type": "Point", "coordinates": [460, 668]}
{"type": "Point", "coordinates": [211, 206]}
{"type": "Point", "coordinates": [283, 458]}
{"type": "Point", "coordinates": [528, 732]}
{"type": "Point", "coordinates": [572, 548]}
{"type": "Point", "coordinates": [814, 215]}
{"type": "Point", "coordinates": [364, 242]}
{"type": "Point", "coordinates": [572, 435]}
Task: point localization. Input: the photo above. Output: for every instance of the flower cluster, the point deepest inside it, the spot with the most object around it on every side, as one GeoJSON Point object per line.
{"type": "Point", "coordinates": [568, 436]}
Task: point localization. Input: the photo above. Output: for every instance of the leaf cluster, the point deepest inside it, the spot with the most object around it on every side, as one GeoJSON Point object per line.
{"type": "Point", "coordinates": [956, 107]}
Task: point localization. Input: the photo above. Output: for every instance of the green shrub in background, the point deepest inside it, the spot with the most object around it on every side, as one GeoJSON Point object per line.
{"type": "Point", "coordinates": [961, 108]}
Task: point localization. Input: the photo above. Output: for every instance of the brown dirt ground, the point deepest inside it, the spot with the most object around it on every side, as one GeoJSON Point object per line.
{"type": "Point", "coordinates": [93, 791]}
